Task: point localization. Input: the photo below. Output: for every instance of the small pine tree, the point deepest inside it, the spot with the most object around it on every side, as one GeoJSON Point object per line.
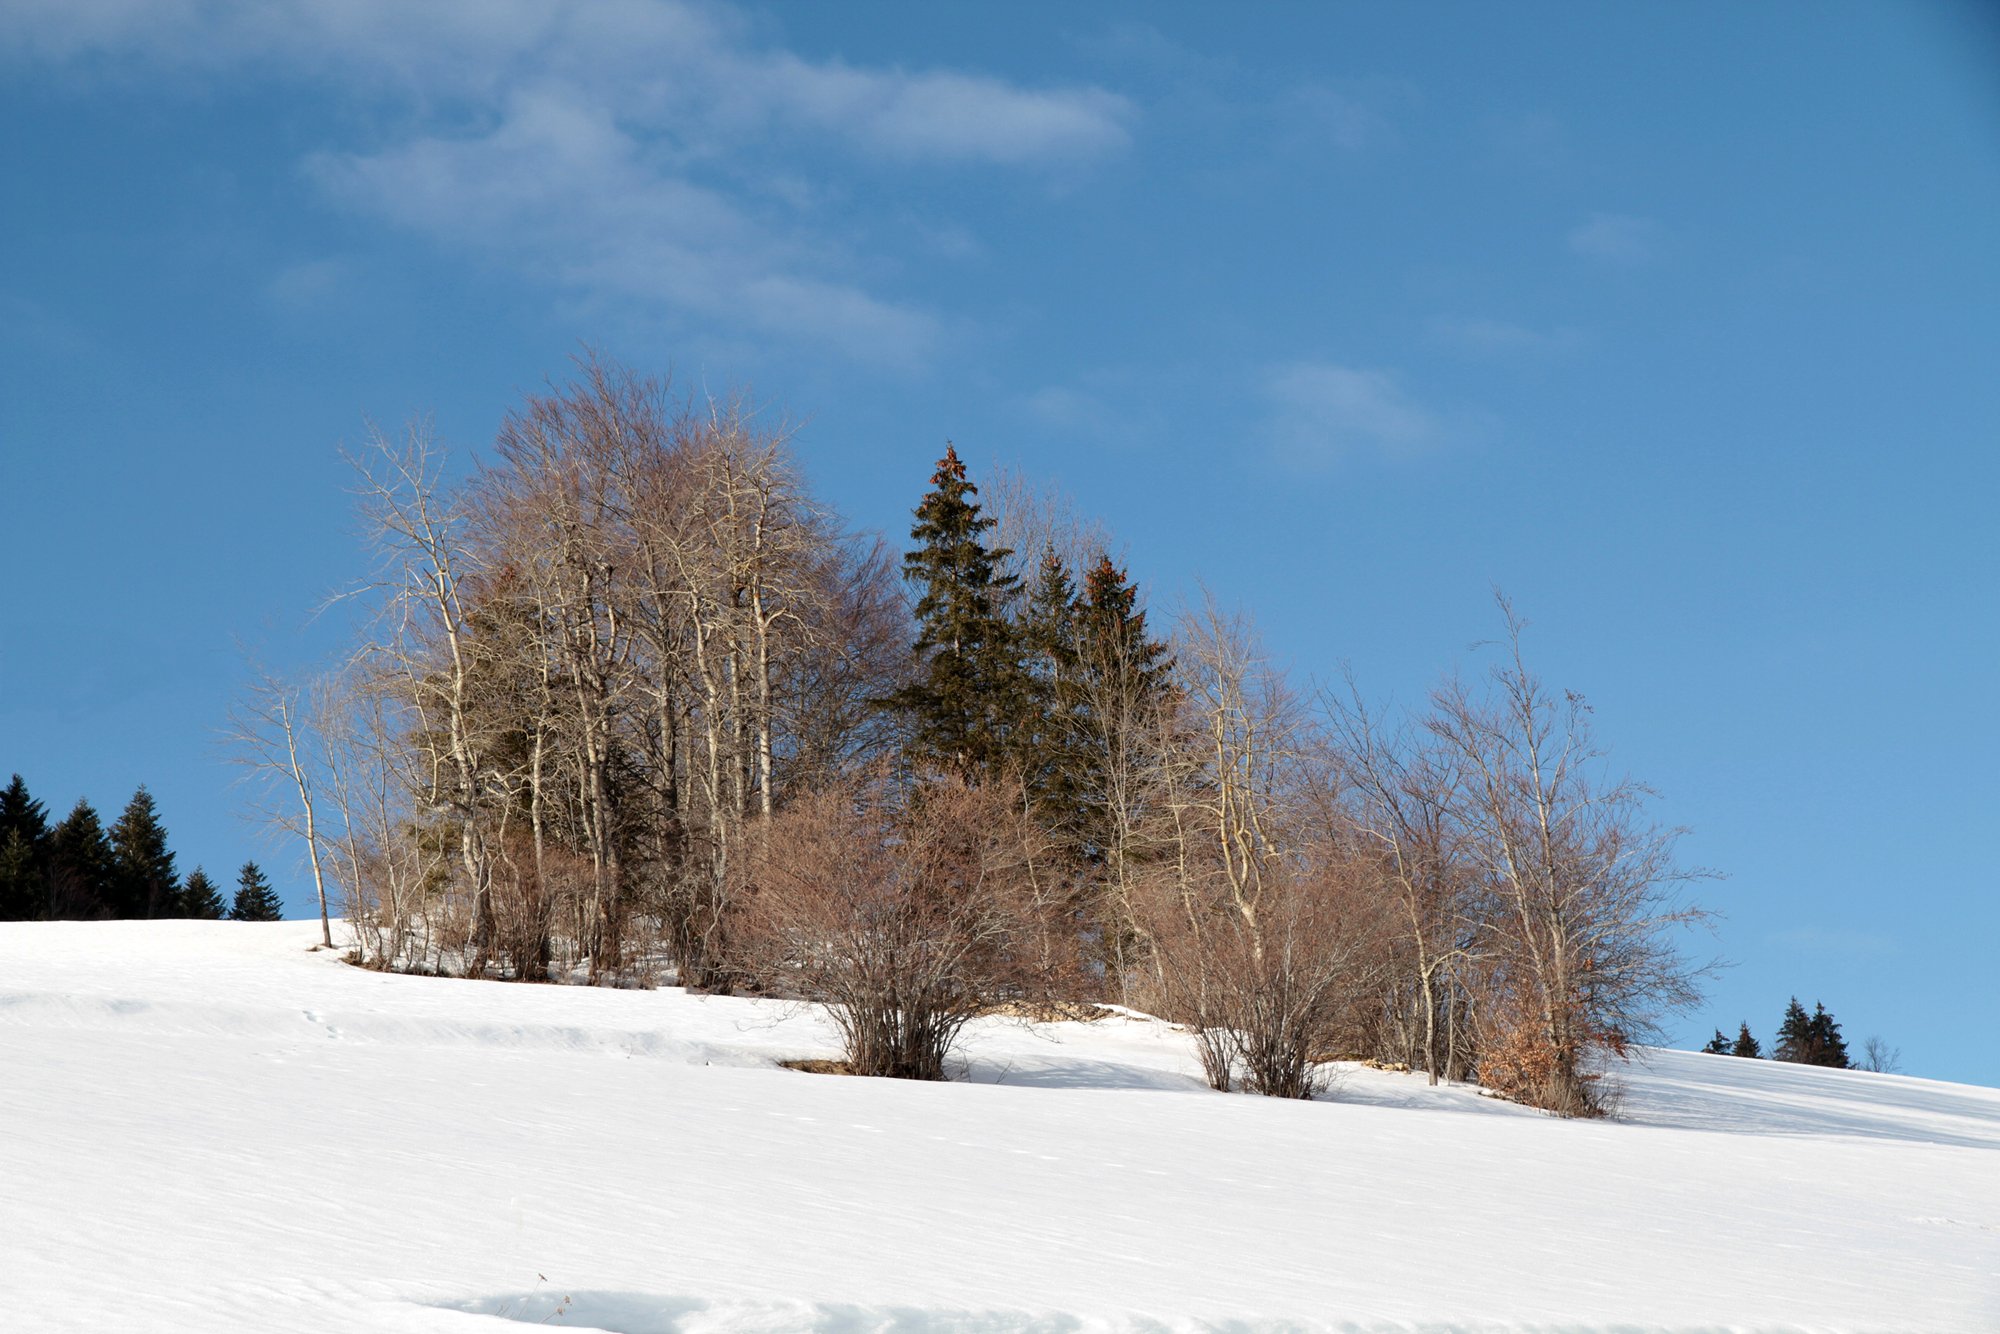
{"type": "Point", "coordinates": [24, 834]}
{"type": "Point", "coordinates": [1044, 744]}
{"type": "Point", "coordinates": [1717, 1045]}
{"type": "Point", "coordinates": [256, 901]}
{"type": "Point", "coordinates": [1811, 1039]}
{"type": "Point", "coordinates": [1794, 1035]}
{"type": "Point", "coordinates": [1746, 1045]}
{"type": "Point", "coordinates": [144, 883]}
{"type": "Point", "coordinates": [81, 867]}
{"type": "Point", "coordinates": [201, 899]}
{"type": "Point", "coordinates": [1828, 1047]}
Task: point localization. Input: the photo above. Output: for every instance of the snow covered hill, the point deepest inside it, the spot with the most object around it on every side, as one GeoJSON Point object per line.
{"type": "Point", "coordinates": [206, 1127]}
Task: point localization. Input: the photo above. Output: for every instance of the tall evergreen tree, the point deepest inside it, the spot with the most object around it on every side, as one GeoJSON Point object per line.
{"type": "Point", "coordinates": [1794, 1035]}
{"type": "Point", "coordinates": [21, 812]}
{"type": "Point", "coordinates": [1717, 1045]}
{"type": "Point", "coordinates": [201, 899]}
{"type": "Point", "coordinates": [81, 869]}
{"type": "Point", "coordinates": [1045, 743]}
{"type": "Point", "coordinates": [24, 833]}
{"type": "Point", "coordinates": [144, 881]}
{"type": "Point", "coordinates": [1113, 628]}
{"type": "Point", "coordinates": [256, 901]}
{"type": "Point", "coordinates": [1828, 1047]}
{"type": "Point", "coordinates": [1746, 1045]}
{"type": "Point", "coordinates": [1121, 674]}
{"type": "Point", "coordinates": [970, 694]}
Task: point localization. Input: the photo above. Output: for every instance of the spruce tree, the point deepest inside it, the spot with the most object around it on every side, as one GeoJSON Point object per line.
{"type": "Point", "coordinates": [1794, 1036]}
{"type": "Point", "coordinates": [256, 901]}
{"type": "Point", "coordinates": [144, 881]}
{"type": "Point", "coordinates": [24, 833]}
{"type": "Point", "coordinates": [969, 697]}
{"type": "Point", "coordinates": [201, 899]}
{"type": "Point", "coordinates": [1717, 1045]}
{"type": "Point", "coordinates": [1122, 674]}
{"type": "Point", "coordinates": [1113, 628]}
{"type": "Point", "coordinates": [1827, 1046]}
{"type": "Point", "coordinates": [1045, 745]}
{"type": "Point", "coordinates": [81, 869]}
{"type": "Point", "coordinates": [1745, 1044]}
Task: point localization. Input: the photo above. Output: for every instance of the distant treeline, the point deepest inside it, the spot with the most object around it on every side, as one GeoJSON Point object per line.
{"type": "Point", "coordinates": [78, 870]}
{"type": "Point", "coordinates": [1809, 1039]}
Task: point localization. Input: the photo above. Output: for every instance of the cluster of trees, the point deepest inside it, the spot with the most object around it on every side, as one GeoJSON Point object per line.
{"type": "Point", "coordinates": [77, 869]}
{"type": "Point", "coordinates": [1809, 1039]}
{"type": "Point", "coordinates": [632, 696]}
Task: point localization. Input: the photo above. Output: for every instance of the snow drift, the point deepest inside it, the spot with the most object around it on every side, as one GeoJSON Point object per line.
{"type": "Point", "coordinates": [209, 1127]}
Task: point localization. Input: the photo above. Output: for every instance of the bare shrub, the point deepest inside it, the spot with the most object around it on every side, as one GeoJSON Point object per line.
{"type": "Point", "coordinates": [1881, 1058]}
{"type": "Point", "coordinates": [1270, 1001]}
{"type": "Point", "coordinates": [1261, 915]}
{"type": "Point", "coordinates": [905, 910]}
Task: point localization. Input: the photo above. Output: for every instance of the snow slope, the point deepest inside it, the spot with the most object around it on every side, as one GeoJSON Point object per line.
{"type": "Point", "coordinates": [206, 1127]}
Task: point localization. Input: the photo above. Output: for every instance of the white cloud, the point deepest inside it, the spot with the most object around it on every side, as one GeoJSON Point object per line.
{"type": "Point", "coordinates": [1499, 338]}
{"type": "Point", "coordinates": [1320, 411]}
{"type": "Point", "coordinates": [310, 283]}
{"type": "Point", "coordinates": [1071, 411]}
{"type": "Point", "coordinates": [666, 63]}
{"type": "Point", "coordinates": [944, 116]}
{"type": "Point", "coordinates": [1533, 139]}
{"type": "Point", "coordinates": [1618, 238]}
{"type": "Point", "coordinates": [1353, 115]}
{"type": "Point", "coordinates": [563, 193]}
{"type": "Point", "coordinates": [651, 151]}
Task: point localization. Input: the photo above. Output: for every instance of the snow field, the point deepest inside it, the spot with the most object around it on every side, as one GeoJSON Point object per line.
{"type": "Point", "coordinates": [205, 1127]}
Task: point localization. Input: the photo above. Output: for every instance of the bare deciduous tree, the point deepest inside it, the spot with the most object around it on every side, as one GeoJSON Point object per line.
{"type": "Point", "coordinates": [1881, 1058]}
{"type": "Point", "coordinates": [275, 737]}
{"type": "Point", "coordinates": [1581, 958]}
{"type": "Point", "coordinates": [1405, 793]}
{"type": "Point", "coordinates": [905, 910]}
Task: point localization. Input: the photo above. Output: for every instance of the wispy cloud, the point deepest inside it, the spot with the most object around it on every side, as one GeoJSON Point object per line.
{"type": "Point", "coordinates": [1320, 411]}
{"type": "Point", "coordinates": [1532, 139]}
{"type": "Point", "coordinates": [624, 149]}
{"type": "Point", "coordinates": [1480, 337]}
{"type": "Point", "coordinates": [1136, 44]}
{"type": "Point", "coordinates": [1119, 407]}
{"type": "Point", "coordinates": [560, 191]}
{"type": "Point", "coordinates": [1617, 238]}
{"type": "Point", "coordinates": [1354, 115]}
{"type": "Point", "coordinates": [310, 283]}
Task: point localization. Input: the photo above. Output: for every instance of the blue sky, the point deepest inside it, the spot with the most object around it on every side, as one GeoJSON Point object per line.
{"type": "Point", "coordinates": [1679, 322]}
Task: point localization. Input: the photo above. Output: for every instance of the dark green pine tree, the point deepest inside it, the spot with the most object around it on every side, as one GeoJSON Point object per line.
{"type": "Point", "coordinates": [256, 901]}
{"type": "Point", "coordinates": [1045, 747]}
{"type": "Point", "coordinates": [1794, 1036]}
{"type": "Point", "coordinates": [201, 899]}
{"type": "Point", "coordinates": [1717, 1045]}
{"type": "Point", "coordinates": [81, 869]}
{"type": "Point", "coordinates": [1112, 632]}
{"type": "Point", "coordinates": [970, 694]}
{"type": "Point", "coordinates": [1745, 1044]}
{"type": "Point", "coordinates": [144, 881]}
{"type": "Point", "coordinates": [24, 835]}
{"type": "Point", "coordinates": [1827, 1047]}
